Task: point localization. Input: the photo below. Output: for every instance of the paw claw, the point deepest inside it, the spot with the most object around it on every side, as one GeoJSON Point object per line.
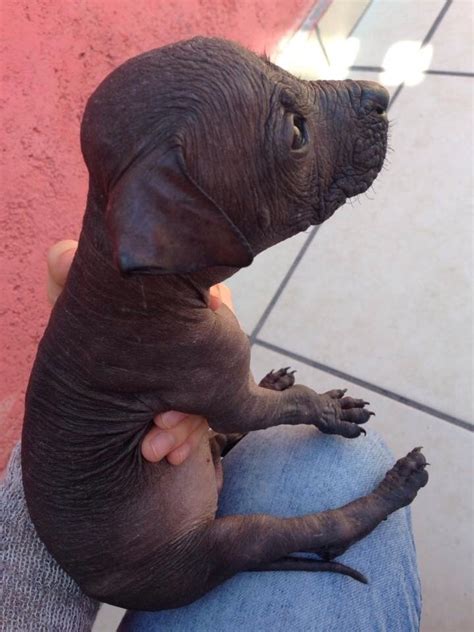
{"type": "Point", "coordinates": [405, 479]}
{"type": "Point", "coordinates": [278, 380]}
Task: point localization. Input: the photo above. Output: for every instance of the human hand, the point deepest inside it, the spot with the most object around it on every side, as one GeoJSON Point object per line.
{"type": "Point", "coordinates": [219, 295]}
{"type": "Point", "coordinates": [174, 435]}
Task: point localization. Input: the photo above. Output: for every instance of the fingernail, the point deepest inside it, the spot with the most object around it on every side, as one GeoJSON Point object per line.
{"type": "Point", "coordinates": [64, 260]}
{"type": "Point", "coordinates": [170, 419]}
{"type": "Point", "coordinates": [66, 252]}
{"type": "Point", "coordinates": [162, 444]}
{"type": "Point", "coordinates": [58, 251]}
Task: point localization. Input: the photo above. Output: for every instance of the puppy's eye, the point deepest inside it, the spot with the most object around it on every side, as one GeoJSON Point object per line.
{"type": "Point", "coordinates": [300, 133]}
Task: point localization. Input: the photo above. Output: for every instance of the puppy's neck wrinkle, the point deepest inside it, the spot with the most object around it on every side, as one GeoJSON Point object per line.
{"type": "Point", "coordinates": [142, 292]}
{"type": "Point", "coordinates": [95, 280]}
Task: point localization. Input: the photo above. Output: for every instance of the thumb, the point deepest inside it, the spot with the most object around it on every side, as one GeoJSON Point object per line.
{"type": "Point", "coordinates": [59, 259]}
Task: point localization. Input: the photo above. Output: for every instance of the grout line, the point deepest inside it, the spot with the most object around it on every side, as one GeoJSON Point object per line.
{"type": "Point", "coordinates": [321, 44]}
{"type": "Point", "coordinates": [354, 26]}
{"type": "Point", "coordinates": [314, 15]}
{"type": "Point", "coordinates": [450, 73]}
{"type": "Point", "coordinates": [308, 22]}
{"type": "Point", "coordinates": [460, 423]}
{"type": "Point", "coordinates": [436, 23]}
{"type": "Point", "coordinates": [264, 317]}
{"type": "Point", "coordinates": [359, 19]}
{"type": "Point", "coordinates": [367, 68]}
{"type": "Point", "coordinates": [394, 97]}
{"type": "Point", "coordinates": [427, 38]}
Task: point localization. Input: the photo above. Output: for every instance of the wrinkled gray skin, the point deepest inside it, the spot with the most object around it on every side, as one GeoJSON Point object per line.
{"type": "Point", "coordinates": [198, 159]}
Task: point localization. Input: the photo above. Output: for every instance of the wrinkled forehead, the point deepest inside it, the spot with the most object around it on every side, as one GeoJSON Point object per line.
{"type": "Point", "coordinates": [185, 73]}
{"type": "Point", "coordinates": [205, 78]}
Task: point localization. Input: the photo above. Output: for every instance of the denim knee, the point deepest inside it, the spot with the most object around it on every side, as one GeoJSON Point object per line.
{"type": "Point", "coordinates": [290, 470]}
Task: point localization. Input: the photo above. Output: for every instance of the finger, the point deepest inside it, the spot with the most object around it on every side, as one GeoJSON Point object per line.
{"type": "Point", "coordinates": [176, 457]}
{"type": "Point", "coordinates": [357, 415]}
{"type": "Point", "coordinates": [169, 419]}
{"type": "Point", "coordinates": [220, 294]}
{"type": "Point", "coordinates": [59, 261]}
{"type": "Point", "coordinates": [226, 296]}
{"type": "Point", "coordinates": [159, 443]}
{"type": "Point", "coordinates": [215, 300]}
{"type": "Point", "coordinates": [350, 402]}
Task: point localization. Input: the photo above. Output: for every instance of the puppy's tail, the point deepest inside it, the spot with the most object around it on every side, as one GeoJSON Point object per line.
{"type": "Point", "coordinates": [312, 565]}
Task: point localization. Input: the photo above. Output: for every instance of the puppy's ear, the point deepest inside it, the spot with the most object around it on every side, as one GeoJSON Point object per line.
{"type": "Point", "coordinates": [161, 222]}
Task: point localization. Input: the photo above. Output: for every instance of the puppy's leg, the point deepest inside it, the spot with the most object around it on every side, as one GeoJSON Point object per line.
{"type": "Point", "coordinates": [222, 444]}
{"type": "Point", "coordinates": [234, 403]}
{"type": "Point", "coordinates": [264, 542]}
{"type": "Point", "coordinates": [254, 408]}
{"type": "Point", "coordinates": [215, 551]}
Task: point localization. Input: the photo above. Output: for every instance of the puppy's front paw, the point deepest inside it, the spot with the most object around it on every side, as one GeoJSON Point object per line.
{"type": "Point", "coordinates": [342, 415]}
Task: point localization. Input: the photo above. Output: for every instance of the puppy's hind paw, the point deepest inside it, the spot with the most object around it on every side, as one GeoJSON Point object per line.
{"type": "Point", "coordinates": [402, 483]}
{"type": "Point", "coordinates": [278, 380]}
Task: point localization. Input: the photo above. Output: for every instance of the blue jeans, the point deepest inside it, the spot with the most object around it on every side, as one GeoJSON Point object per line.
{"type": "Point", "coordinates": [294, 471]}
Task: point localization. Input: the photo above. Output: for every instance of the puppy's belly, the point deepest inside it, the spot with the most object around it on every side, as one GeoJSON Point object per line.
{"type": "Point", "coordinates": [119, 521]}
{"type": "Point", "coordinates": [185, 492]}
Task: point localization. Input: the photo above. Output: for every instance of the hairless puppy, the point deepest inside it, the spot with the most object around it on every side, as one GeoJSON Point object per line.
{"type": "Point", "coordinates": [200, 155]}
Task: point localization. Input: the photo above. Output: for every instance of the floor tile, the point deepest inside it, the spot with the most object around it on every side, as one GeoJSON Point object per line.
{"type": "Point", "coordinates": [334, 30]}
{"type": "Point", "coordinates": [442, 512]}
{"type": "Point", "coordinates": [389, 22]}
{"type": "Point", "coordinates": [453, 44]}
{"type": "Point", "coordinates": [340, 19]}
{"type": "Point", "coordinates": [384, 292]}
{"type": "Point", "coordinates": [108, 619]}
{"type": "Point", "coordinates": [303, 56]}
{"type": "Point", "coordinates": [389, 33]}
{"type": "Point", "coordinates": [253, 287]}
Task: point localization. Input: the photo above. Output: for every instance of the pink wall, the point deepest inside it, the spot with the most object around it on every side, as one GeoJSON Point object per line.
{"type": "Point", "coordinates": [54, 55]}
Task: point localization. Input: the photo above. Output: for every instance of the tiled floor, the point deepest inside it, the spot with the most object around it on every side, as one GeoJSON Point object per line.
{"type": "Point", "coordinates": [380, 298]}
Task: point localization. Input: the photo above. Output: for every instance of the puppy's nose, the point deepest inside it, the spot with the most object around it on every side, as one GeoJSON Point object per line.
{"type": "Point", "coordinates": [374, 97]}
